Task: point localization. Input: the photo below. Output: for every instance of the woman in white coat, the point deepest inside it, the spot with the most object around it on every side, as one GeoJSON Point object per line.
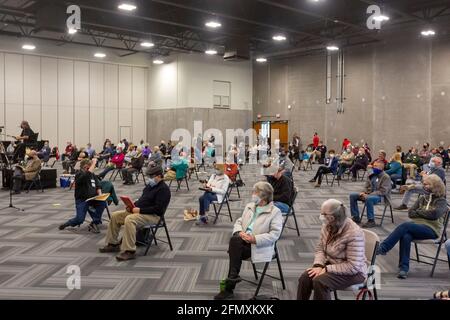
{"type": "Point", "coordinates": [254, 235]}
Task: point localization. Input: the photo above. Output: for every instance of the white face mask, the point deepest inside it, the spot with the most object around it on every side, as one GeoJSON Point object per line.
{"type": "Point", "coordinates": [255, 199]}
{"type": "Point", "coordinates": [323, 219]}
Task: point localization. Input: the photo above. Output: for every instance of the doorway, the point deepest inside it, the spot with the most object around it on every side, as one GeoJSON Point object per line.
{"type": "Point", "coordinates": [266, 130]}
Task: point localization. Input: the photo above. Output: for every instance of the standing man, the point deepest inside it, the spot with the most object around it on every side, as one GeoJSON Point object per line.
{"type": "Point", "coordinates": [87, 186]}
{"type": "Point", "coordinates": [25, 138]}
{"type": "Point", "coordinates": [316, 140]}
{"type": "Point", "coordinates": [150, 207]}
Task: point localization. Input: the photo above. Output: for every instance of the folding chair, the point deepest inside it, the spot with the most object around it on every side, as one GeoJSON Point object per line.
{"type": "Point", "coordinates": [139, 173]}
{"type": "Point", "coordinates": [309, 164]}
{"type": "Point", "coordinates": [115, 173]}
{"type": "Point", "coordinates": [361, 178]}
{"type": "Point", "coordinates": [179, 181]}
{"type": "Point", "coordinates": [150, 234]}
{"type": "Point", "coordinates": [334, 178]}
{"type": "Point", "coordinates": [372, 242]}
{"type": "Point", "coordinates": [264, 272]}
{"type": "Point", "coordinates": [387, 204]}
{"type": "Point", "coordinates": [439, 242]}
{"type": "Point", "coordinates": [193, 169]}
{"type": "Point", "coordinates": [217, 212]}
{"type": "Point", "coordinates": [36, 182]}
{"type": "Point", "coordinates": [291, 213]}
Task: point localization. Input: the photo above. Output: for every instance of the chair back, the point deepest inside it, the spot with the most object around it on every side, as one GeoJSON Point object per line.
{"type": "Point", "coordinates": [444, 237]}
{"type": "Point", "coordinates": [372, 242]}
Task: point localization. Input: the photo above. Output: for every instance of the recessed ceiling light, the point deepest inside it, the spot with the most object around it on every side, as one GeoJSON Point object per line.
{"type": "Point", "coordinates": [261, 60]}
{"type": "Point", "coordinates": [72, 31]}
{"type": "Point", "coordinates": [381, 18]}
{"type": "Point", "coordinates": [213, 24]}
{"type": "Point", "coordinates": [211, 52]}
{"type": "Point", "coordinates": [332, 48]}
{"type": "Point", "coordinates": [28, 47]}
{"type": "Point", "coordinates": [428, 33]}
{"type": "Point", "coordinates": [157, 61]}
{"type": "Point", "coordinates": [147, 44]}
{"type": "Point", "coordinates": [127, 7]}
{"type": "Point", "coordinates": [99, 55]}
{"type": "Point", "coordinates": [279, 37]}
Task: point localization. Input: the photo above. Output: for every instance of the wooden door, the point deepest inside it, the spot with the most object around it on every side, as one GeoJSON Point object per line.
{"type": "Point", "coordinates": [283, 133]}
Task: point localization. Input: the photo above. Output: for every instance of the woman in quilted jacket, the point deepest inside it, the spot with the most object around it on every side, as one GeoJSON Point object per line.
{"type": "Point", "coordinates": [340, 259]}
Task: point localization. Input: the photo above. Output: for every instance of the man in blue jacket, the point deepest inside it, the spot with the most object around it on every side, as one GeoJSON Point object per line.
{"type": "Point", "coordinates": [330, 166]}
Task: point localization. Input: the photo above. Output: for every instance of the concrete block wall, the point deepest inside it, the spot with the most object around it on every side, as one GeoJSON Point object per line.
{"type": "Point", "coordinates": [397, 92]}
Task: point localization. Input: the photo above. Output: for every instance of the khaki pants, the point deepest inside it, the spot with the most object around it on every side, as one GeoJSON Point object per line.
{"type": "Point", "coordinates": [412, 169]}
{"type": "Point", "coordinates": [130, 221]}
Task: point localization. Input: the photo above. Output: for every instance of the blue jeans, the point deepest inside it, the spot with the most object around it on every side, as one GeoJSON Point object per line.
{"type": "Point", "coordinates": [406, 233]}
{"type": "Point", "coordinates": [408, 194]}
{"type": "Point", "coordinates": [371, 201]}
{"type": "Point", "coordinates": [82, 208]}
{"type": "Point", "coordinates": [394, 178]}
{"type": "Point", "coordinates": [205, 200]}
{"type": "Point", "coordinates": [103, 174]}
{"type": "Point", "coordinates": [284, 208]}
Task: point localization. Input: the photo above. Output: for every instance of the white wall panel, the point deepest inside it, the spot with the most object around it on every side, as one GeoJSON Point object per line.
{"type": "Point", "coordinates": [125, 117]}
{"type": "Point", "coordinates": [49, 85]}
{"type": "Point", "coordinates": [13, 93]}
{"type": "Point", "coordinates": [81, 84]}
{"type": "Point", "coordinates": [125, 87]}
{"type": "Point", "coordinates": [139, 128]}
{"type": "Point", "coordinates": [65, 83]}
{"type": "Point", "coordinates": [65, 125]}
{"type": "Point", "coordinates": [139, 85]}
{"type": "Point", "coordinates": [112, 102]}
{"type": "Point", "coordinates": [111, 125]}
{"type": "Point", "coordinates": [81, 126]}
{"type": "Point", "coordinates": [97, 129]}
{"type": "Point", "coordinates": [96, 83]}
{"type": "Point", "coordinates": [32, 80]}
{"type": "Point", "coordinates": [50, 125]}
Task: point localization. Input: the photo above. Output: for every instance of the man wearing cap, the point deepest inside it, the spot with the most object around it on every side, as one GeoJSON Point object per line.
{"type": "Point", "coordinates": [149, 209]}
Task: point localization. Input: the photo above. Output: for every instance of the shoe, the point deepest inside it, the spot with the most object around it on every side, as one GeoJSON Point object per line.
{"type": "Point", "coordinates": [369, 224]}
{"type": "Point", "coordinates": [94, 228]}
{"type": "Point", "coordinates": [125, 256]}
{"type": "Point", "coordinates": [401, 208]}
{"type": "Point", "coordinates": [317, 185]}
{"type": "Point", "coordinates": [63, 226]}
{"type": "Point", "coordinates": [312, 181]}
{"type": "Point", "coordinates": [234, 281]}
{"type": "Point", "coordinates": [356, 220]}
{"type": "Point", "coordinates": [338, 178]}
{"type": "Point", "coordinates": [202, 221]}
{"type": "Point", "coordinates": [110, 248]}
{"type": "Point", "coordinates": [402, 274]}
{"type": "Point", "coordinates": [380, 251]}
{"type": "Point", "coordinates": [224, 295]}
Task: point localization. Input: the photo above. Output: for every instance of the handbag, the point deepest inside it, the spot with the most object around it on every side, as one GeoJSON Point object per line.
{"type": "Point", "coordinates": [190, 214]}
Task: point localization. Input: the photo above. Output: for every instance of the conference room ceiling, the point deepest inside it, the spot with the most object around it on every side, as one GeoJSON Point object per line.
{"type": "Point", "coordinates": [179, 25]}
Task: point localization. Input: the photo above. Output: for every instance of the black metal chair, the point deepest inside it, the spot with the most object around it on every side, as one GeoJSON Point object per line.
{"type": "Point", "coordinates": [217, 211]}
{"type": "Point", "coordinates": [150, 232]}
{"type": "Point", "coordinates": [115, 172]}
{"type": "Point", "coordinates": [137, 174]}
{"type": "Point", "coordinates": [332, 180]}
{"type": "Point", "coordinates": [387, 204]}
{"type": "Point", "coordinates": [36, 182]}
{"type": "Point", "coordinates": [291, 213]}
{"type": "Point", "coordinates": [439, 242]}
{"type": "Point", "coordinates": [180, 181]}
{"type": "Point", "coordinates": [264, 272]}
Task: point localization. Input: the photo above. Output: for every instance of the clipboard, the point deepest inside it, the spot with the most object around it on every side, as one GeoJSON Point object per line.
{"type": "Point", "coordinates": [128, 202]}
{"type": "Point", "coordinates": [102, 197]}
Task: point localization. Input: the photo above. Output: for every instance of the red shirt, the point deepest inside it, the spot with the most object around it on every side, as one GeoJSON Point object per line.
{"type": "Point", "coordinates": [69, 150]}
{"type": "Point", "coordinates": [316, 141]}
{"type": "Point", "coordinates": [346, 143]}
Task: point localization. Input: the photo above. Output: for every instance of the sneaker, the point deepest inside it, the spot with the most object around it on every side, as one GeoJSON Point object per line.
{"type": "Point", "coordinates": [402, 207]}
{"type": "Point", "coordinates": [317, 185]}
{"type": "Point", "coordinates": [224, 295]}
{"type": "Point", "coordinates": [369, 224]}
{"type": "Point", "coordinates": [110, 248]}
{"type": "Point", "coordinates": [202, 221]}
{"type": "Point", "coordinates": [402, 274]}
{"type": "Point", "coordinates": [63, 226]}
{"type": "Point", "coordinates": [312, 181]}
{"type": "Point", "coordinates": [125, 256]}
{"type": "Point", "coordinates": [94, 228]}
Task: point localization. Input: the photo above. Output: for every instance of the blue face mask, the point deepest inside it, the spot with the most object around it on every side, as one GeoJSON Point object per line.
{"type": "Point", "coordinates": [432, 164]}
{"type": "Point", "coordinates": [152, 182]}
{"type": "Point", "coordinates": [376, 171]}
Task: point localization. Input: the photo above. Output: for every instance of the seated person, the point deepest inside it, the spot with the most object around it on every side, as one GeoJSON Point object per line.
{"type": "Point", "coordinates": [378, 186]}
{"type": "Point", "coordinates": [44, 153]}
{"type": "Point", "coordinates": [68, 151]}
{"type": "Point", "coordinates": [413, 187]}
{"type": "Point", "coordinates": [146, 151]}
{"type": "Point", "coordinates": [132, 153]}
{"type": "Point", "coordinates": [107, 152]}
{"type": "Point", "coordinates": [395, 169]}
{"type": "Point", "coordinates": [28, 173]}
{"type": "Point", "coordinates": [361, 163]}
{"type": "Point", "coordinates": [162, 147]}
{"type": "Point", "coordinates": [70, 160]}
{"type": "Point", "coordinates": [427, 215]}
{"type": "Point", "coordinates": [347, 159]}
{"type": "Point", "coordinates": [319, 153]}
{"type": "Point", "coordinates": [215, 190]}
{"type": "Point", "coordinates": [156, 158]}
{"type": "Point", "coordinates": [412, 162]}
{"type": "Point", "coordinates": [444, 155]}
{"type": "Point", "coordinates": [178, 168]}
{"type": "Point", "coordinates": [86, 186]}
{"type": "Point", "coordinates": [231, 170]}
{"type": "Point", "coordinates": [134, 166]}
{"type": "Point", "coordinates": [89, 151]}
{"type": "Point", "coordinates": [116, 162]}
{"type": "Point", "coordinates": [149, 209]}
{"type": "Point", "coordinates": [339, 260]}
{"type": "Point", "coordinates": [425, 153]}
{"type": "Point", "coordinates": [368, 152]}
{"type": "Point", "coordinates": [330, 166]}
{"type": "Point", "coordinates": [305, 157]}
{"type": "Point", "coordinates": [381, 157]}
{"type": "Point", "coordinates": [254, 235]}
{"type": "Point", "coordinates": [398, 149]}
{"type": "Point", "coordinates": [285, 163]}
{"type": "Point", "coordinates": [283, 188]}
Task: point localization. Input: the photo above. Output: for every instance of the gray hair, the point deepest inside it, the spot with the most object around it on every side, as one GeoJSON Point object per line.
{"type": "Point", "coordinates": [265, 191]}
{"type": "Point", "coordinates": [337, 209]}
{"type": "Point", "coordinates": [437, 186]}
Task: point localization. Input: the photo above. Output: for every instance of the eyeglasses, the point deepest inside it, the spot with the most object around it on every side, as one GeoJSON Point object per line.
{"type": "Point", "coordinates": [326, 214]}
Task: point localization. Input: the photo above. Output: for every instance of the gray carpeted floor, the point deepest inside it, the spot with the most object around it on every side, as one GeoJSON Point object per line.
{"type": "Point", "coordinates": [35, 255]}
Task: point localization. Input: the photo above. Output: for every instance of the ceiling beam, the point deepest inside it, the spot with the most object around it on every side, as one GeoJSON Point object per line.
{"type": "Point", "coordinates": [248, 21]}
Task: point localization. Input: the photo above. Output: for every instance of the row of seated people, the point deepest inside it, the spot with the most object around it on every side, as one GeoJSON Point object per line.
{"type": "Point", "coordinates": [339, 259]}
